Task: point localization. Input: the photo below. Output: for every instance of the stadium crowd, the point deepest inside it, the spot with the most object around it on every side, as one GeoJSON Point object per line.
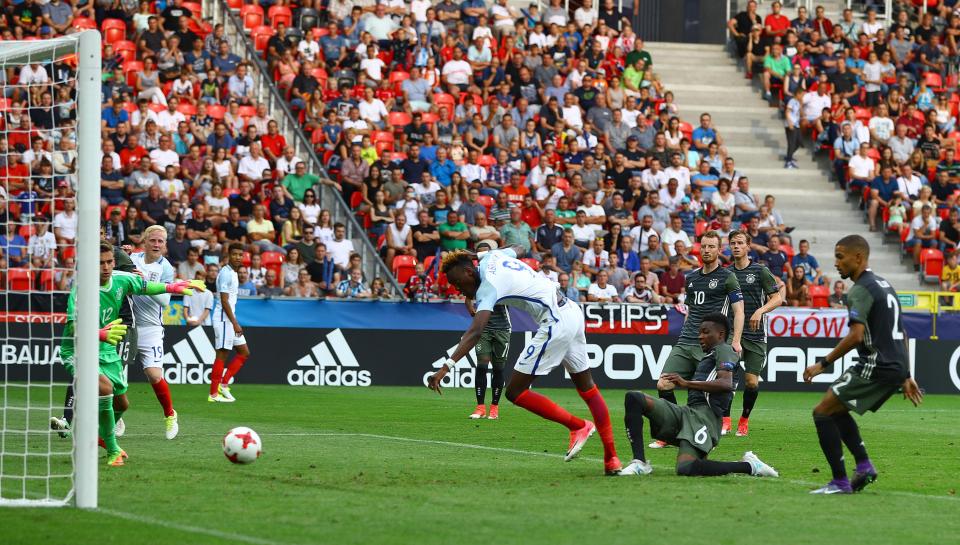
{"type": "Point", "coordinates": [442, 125]}
{"type": "Point", "coordinates": [882, 101]}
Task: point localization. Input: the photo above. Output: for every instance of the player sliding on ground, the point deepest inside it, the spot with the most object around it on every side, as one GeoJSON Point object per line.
{"type": "Point", "coordinates": [762, 292]}
{"type": "Point", "coordinates": [695, 427]}
{"type": "Point", "coordinates": [502, 278]}
{"type": "Point", "coordinates": [877, 333]}
{"type": "Point", "coordinates": [148, 310]}
{"type": "Point", "coordinates": [115, 286]}
{"type": "Point", "coordinates": [709, 289]}
{"type": "Point", "coordinates": [226, 329]}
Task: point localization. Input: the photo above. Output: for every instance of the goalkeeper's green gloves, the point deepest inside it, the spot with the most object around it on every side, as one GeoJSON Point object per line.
{"type": "Point", "coordinates": [113, 332]}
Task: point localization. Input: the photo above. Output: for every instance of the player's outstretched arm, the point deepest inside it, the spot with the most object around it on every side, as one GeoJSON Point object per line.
{"type": "Point", "coordinates": [180, 287]}
{"type": "Point", "coordinates": [737, 325]}
{"type": "Point", "coordinates": [467, 342]}
{"type": "Point", "coordinates": [722, 384]}
{"type": "Point", "coordinates": [825, 364]}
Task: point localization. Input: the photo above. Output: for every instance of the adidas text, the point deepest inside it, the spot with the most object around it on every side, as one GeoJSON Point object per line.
{"type": "Point", "coordinates": [331, 362]}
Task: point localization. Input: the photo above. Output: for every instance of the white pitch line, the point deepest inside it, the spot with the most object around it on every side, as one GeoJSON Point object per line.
{"type": "Point", "coordinates": [188, 529]}
{"type": "Point", "coordinates": [806, 484]}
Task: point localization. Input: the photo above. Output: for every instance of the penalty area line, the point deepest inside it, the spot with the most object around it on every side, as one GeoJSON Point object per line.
{"type": "Point", "coordinates": [186, 528]}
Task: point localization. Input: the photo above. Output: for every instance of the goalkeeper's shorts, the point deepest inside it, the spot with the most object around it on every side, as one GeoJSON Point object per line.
{"type": "Point", "coordinates": [111, 366]}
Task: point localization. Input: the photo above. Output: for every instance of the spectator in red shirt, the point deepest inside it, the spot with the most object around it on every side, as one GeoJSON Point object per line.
{"type": "Point", "coordinates": [672, 282]}
{"type": "Point", "coordinates": [516, 191]}
{"type": "Point", "coordinates": [530, 212]}
{"type": "Point", "coordinates": [273, 142]}
{"type": "Point", "coordinates": [775, 25]}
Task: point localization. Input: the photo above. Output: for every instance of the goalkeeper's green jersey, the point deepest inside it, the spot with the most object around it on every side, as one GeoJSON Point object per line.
{"type": "Point", "coordinates": [112, 297]}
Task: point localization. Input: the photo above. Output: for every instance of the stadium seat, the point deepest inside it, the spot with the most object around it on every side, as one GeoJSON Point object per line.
{"type": "Point", "coordinates": [235, 5]}
{"type": "Point", "coordinates": [45, 280]}
{"type": "Point", "coordinates": [445, 100]}
{"type": "Point", "coordinates": [247, 111]}
{"type": "Point", "coordinates": [487, 161]}
{"type": "Point", "coordinates": [279, 14]}
{"type": "Point", "coordinates": [532, 263]}
{"type": "Point", "coordinates": [84, 23]}
{"type": "Point", "coordinates": [398, 120]}
{"type": "Point", "coordinates": [934, 81]}
{"type": "Point", "coordinates": [19, 280]}
{"type": "Point", "coordinates": [398, 76]}
{"type": "Point", "coordinates": [126, 49]}
{"type": "Point", "coordinates": [931, 265]}
{"type": "Point", "coordinates": [195, 8]}
{"type": "Point", "coordinates": [130, 68]}
{"type": "Point", "coordinates": [429, 118]}
{"type": "Point", "coordinates": [252, 16]}
{"type": "Point", "coordinates": [404, 266]}
{"type": "Point", "coordinates": [216, 111]}
{"type": "Point", "coordinates": [309, 18]}
{"type": "Point", "coordinates": [109, 210]}
{"type": "Point", "coordinates": [260, 36]}
{"type": "Point", "coordinates": [113, 30]}
{"type": "Point", "coordinates": [187, 109]}
{"type": "Point", "coordinates": [487, 201]}
{"type": "Point", "coordinates": [819, 296]}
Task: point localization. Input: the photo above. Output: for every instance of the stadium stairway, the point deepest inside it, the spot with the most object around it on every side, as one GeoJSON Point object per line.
{"type": "Point", "coordinates": [705, 78]}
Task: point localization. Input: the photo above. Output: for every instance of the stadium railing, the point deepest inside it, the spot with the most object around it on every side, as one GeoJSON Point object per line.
{"type": "Point", "coordinates": [933, 302]}
{"type": "Point", "coordinates": [220, 13]}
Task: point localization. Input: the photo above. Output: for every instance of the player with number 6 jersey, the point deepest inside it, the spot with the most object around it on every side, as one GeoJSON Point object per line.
{"type": "Point", "coordinates": [501, 278]}
{"type": "Point", "coordinates": [148, 310]}
{"type": "Point", "coordinates": [876, 331]}
{"type": "Point", "coordinates": [709, 289]}
{"type": "Point", "coordinates": [694, 427]}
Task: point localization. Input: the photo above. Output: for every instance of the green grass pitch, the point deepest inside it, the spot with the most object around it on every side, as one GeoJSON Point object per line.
{"type": "Point", "coordinates": [402, 465]}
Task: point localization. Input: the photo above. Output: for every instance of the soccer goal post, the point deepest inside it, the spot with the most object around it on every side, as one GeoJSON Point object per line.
{"type": "Point", "coordinates": [49, 237]}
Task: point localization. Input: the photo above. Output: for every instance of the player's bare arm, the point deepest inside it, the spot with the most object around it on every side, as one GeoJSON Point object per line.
{"type": "Point", "coordinates": [774, 301]}
{"type": "Point", "coordinates": [467, 342]}
{"type": "Point", "coordinates": [853, 338]}
{"type": "Point", "coordinates": [737, 326]}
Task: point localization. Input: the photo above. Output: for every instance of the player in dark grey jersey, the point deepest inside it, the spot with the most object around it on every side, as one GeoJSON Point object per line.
{"type": "Point", "coordinates": [877, 333]}
{"type": "Point", "coordinates": [708, 289]}
{"type": "Point", "coordinates": [762, 292]}
{"type": "Point", "coordinates": [694, 427]}
{"type": "Point", "coordinates": [491, 350]}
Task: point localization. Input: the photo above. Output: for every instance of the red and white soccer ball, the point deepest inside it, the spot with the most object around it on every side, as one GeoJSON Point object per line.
{"type": "Point", "coordinates": [242, 445]}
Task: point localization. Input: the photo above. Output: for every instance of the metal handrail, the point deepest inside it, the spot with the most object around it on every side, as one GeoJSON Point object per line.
{"type": "Point", "coordinates": [290, 128]}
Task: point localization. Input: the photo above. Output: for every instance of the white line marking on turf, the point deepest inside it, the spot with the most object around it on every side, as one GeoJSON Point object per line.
{"type": "Point", "coordinates": [189, 529]}
{"type": "Point", "coordinates": [806, 484]}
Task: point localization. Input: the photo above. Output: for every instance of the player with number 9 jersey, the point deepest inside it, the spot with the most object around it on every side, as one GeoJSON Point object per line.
{"type": "Point", "coordinates": [502, 279]}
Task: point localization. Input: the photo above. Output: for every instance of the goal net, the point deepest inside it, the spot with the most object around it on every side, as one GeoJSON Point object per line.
{"type": "Point", "coordinates": [49, 233]}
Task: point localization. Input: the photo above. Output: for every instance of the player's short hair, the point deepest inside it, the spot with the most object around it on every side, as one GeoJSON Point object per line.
{"type": "Point", "coordinates": [720, 320]}
{"type": "Point", "coordinates": [454, 259]}
{"type": "Point", "coordinates": [712, 234]}
{"type": "Point", "coordinates": [738, 233]}
{"type": "Point", "coordinates": [856, 243]}
{"type": "Point", "coordinates": [106, 247]}
{"type": "Point", "coordinates": [154, 229]}
{"type": "Point", "coordinates": [234, 246]}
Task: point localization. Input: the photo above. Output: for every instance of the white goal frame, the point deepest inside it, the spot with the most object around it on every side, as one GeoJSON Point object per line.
{"type": "Point", "coordinates": [86, 46]}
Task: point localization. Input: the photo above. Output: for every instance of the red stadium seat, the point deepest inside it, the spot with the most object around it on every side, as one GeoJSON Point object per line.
{"type": "Point", "coordinates": [532, 263]}
{"type": "Point", "coordinates": [84, 23]}
{"type": "Point", "coordinates": [19, 280]}
{"type": "Point", "coordinates": [399, 119]}
{"type": "Point", "coordinates": [260, 36]}
{"type": "Point", "coordinates": [252, 16]}
{"type": "Point", "coordinates": [280, 14]}
{"type": "Point", "coordinates": [487, 161]}
{"type": "Point", "coordinates": [271, 258]}
{"type": "Point", "coordinates": [934, 81]}
{"type": "Point", "coordinates": [931, 264]}
{"type": "Point", "coordinates": [187, 109]}
{"type": "Point", "coordinates": [235, 5]}
{"type": "Point", "coordinates": [487, 201]}
{"type": "Point", "coordinates": [46, 280]}
{"type": "Point", "coordinates": [819, 296]}
{"type": "Point", "coordinates": [404, 266]}
{"type": "Point", "coordinates": [195, 8]}
{"type": "Point", "coordinates": [446, 101]}
{"type": "Point", "coordinates": [113, 30]}
{"type": "Point", "coordinates": [247, 259]}
{"type": "Point", "coordinates": [429, 118]}
{"type": "Point", "coordinates": [247, 111]}
{"type": "Point", "coordinates": [126, 49]}
{"type": "Point", "coordinates": [216, 111]}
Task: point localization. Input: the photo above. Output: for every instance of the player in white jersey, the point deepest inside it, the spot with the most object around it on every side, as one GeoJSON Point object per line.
{"type": "Point", "coordinates": [503, 279]}
{"type": "Point", "coordinates": [226, 328]}
{"type": "Point", "coordinates": [148, 314]}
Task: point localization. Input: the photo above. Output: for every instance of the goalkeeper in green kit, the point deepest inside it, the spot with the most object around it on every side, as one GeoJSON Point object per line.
{"type": "Point", "coordinates": [115, 286]}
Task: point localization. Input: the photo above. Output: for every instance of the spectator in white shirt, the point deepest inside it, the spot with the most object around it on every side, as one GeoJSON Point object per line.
{"type": "Point", "coordinates": [162, 157]}
{"type": "Point", "coordinates": [601, 292]}
{"type": "Point", "coordinates": [251, 167]}
{"type": "Point", "coordinates": [908, 184]}
{"type": "Point", "coordinates": [65, 224]}
{"type": "Point", "coordinates": [456, 71]}
{"type": "Point", "coordinates": [672, 234]}
{"type": "Point", "coordinates": [861, 168]}
{"type": "Point", "coordinates": [340, 248]}
{"type": "Point", "coordinates": [596, 258]}
{"type": "Point", "coordinates": [678, 171]}
{"type": "Point", "coordinates": [372, 109]}
{"type": "Point", "coordinates": [287, 163]}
